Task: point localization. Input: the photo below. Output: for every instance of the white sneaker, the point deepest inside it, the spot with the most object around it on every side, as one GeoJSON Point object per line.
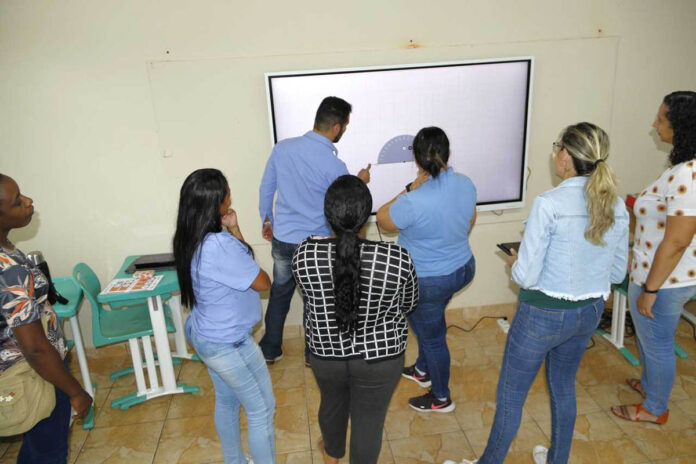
{"type": "Point", "coordinates": [539, 454]}
{"type": "Point", "coordinates": [463, 461]}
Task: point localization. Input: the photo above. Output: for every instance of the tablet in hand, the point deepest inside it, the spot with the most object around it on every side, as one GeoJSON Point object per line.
{"type": "Point", "coordinates": [507, 247]}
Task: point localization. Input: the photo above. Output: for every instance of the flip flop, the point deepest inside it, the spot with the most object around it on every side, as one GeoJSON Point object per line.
{"type": "Point", "coordinates": [623, 412]}
{"type": "Point", "coordinates": [636, 385]}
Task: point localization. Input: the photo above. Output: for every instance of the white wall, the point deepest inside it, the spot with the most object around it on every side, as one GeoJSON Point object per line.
{"type": "Point", "coordinates": [80, 132]}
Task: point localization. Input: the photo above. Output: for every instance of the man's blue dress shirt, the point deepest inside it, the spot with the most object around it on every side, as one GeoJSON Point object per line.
{"type": "Point", "coordinates": [300, 170]}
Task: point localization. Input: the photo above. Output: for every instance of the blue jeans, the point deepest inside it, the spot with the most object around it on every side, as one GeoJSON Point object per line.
{"type": "Point", "coordinates": [559, 337]}
{"type": "Point", "coordinates": [282, 288]}
{"type": "Point", "coordinates": [428, 323]}
{"type": "Point", "coordinates": [47, 441]}
{"type": "Point", "coordinates": [656, 342]}
{"type": "Point", "coordinates": [240, 377]}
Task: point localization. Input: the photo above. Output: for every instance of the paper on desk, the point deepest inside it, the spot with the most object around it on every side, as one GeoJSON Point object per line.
{"type": "Point", "coordinates": [138, 283]}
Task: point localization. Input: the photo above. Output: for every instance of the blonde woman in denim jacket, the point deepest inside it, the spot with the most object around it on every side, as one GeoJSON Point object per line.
{"type": "Point", "coordinates": [575, 245]}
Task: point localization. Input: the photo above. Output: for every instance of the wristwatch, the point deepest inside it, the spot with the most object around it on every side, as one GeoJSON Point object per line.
{"type": "Point", "coordinates": [645, 290]}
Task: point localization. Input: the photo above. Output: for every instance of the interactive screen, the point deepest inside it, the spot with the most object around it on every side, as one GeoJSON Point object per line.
{"type": "Point", "coordinates": [483, 107]}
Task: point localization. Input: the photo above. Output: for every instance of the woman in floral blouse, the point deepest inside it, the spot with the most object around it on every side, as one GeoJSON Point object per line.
{"type": "Point", "coordinates": [23, 302]}
{"type": "Point", "coordinates": [663, 273]}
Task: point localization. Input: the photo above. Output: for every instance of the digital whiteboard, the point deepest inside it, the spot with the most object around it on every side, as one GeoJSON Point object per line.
{"type": "Point", "coordinates": [482, 105]}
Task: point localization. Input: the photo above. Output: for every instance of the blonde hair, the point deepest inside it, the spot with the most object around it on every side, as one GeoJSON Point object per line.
{"type": "Point", "coordinates": [588, 147]}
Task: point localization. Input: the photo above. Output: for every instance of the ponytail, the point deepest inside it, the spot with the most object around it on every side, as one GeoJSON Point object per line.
{"type": "Point", "coordinates": [346, 280]}
{"type": "Point", "coordinates": [588, 146]}
{"type": "Point", "coordinates": [600, 191]}
{"type": "Point", "coordinates": [347, 206]}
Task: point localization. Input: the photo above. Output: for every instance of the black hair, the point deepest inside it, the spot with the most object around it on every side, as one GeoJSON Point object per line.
{"type": "Point", "coordinates": [681, 114]}
{"type": "Point", "coordinates": [200, 198]}
{"type": "Point", "coordinates": [431, 150]}
{"type": "Point", "coordinates": [332, 111]}
{"type": "Point", "coordinates": [347, 206]}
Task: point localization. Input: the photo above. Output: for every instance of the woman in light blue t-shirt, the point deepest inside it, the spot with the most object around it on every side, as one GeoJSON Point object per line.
{"type": "Point", "coordinates": [220, 281]}
{"type": "Point", "coordinates": [434, 216]}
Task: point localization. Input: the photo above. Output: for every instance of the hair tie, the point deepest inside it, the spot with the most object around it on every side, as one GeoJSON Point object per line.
{"type": "Point", "coordinates": [600, 160]}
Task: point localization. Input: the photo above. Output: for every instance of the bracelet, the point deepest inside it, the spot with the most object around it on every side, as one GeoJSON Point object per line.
{"type": "Point", "coordinates": [645, 289]}
{"type": "Point", "coordinates": [408, 186]}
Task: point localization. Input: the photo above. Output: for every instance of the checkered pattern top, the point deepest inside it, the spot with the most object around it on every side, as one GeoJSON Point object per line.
{"type": "Point", "coordinates": [389, 288]}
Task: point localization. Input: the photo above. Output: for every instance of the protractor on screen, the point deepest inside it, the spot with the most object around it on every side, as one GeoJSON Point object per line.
{"type": "Point", "coordinates": [398, 149]}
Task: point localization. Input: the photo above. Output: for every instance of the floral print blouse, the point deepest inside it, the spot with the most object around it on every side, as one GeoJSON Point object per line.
{"type": "Point", "coordinates": [23, 300]}
{"type": "Point", "coordinates": [672, 194]}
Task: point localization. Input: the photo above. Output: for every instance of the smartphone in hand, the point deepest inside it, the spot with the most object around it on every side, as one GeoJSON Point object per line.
{"type": "Point", "coordinates": [507, 247]}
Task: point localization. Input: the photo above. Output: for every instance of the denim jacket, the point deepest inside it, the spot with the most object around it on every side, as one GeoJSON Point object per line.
{"type": "Point", "coordinates": [555, 257]}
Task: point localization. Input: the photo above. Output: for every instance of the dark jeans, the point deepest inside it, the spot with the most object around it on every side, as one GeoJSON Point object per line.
{"type": "Point", "coordinates": [361, 391]}
{"type": "Point", "coordinates": [428, 323]}
{"type": "Point", "coordinates": [559, 337]}
{"type": "Point", "coordinates": [47, 441]}
{"type": "Point", "coordinates": [282, 288]}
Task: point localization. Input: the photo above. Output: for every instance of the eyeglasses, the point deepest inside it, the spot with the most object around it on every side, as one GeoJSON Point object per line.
{"type": "Point", "coordinates": [556, 147]}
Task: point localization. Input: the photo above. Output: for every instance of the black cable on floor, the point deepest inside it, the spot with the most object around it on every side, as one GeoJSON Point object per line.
{"type": "Point", "coordinates": [477, 323]}
{"type": "Point", "coordinates": [605, 323]}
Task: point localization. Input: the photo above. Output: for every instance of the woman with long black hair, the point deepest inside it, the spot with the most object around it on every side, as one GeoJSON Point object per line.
{"type": "Point", "coordinates": [220, 281]}
{"type": "Point", "coordinates": [356, 293]}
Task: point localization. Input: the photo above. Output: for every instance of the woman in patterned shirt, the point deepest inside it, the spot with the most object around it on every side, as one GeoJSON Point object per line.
{"type": "Point", "coordinates": [23, 301]}
{"type": "Point", "coordinates": [663, 273]}
{"type": "Point", "coordinates": [356, 293]}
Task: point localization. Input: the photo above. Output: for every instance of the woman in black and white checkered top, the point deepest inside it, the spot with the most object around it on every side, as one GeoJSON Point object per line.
{"type": "Point", "coordinates": [356, 293]}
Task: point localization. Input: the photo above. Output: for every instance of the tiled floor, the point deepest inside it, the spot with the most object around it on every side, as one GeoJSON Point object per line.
{"type": "Point", "coordinates": [180, 429]}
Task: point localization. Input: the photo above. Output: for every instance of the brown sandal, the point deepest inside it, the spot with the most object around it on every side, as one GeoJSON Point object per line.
{"type": "Point", "coordinates": [625, 413]}
{"type": "Point", "coordinates": [636, 385]}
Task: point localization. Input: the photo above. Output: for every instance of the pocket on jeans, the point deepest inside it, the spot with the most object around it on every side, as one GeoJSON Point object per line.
{"type": "Point", "coordinates": [544, 324]}
{"type": "Point", "coordinates": [599, 310]}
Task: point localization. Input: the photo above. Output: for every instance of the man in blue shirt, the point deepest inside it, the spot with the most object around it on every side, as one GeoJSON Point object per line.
{"type": "Point", "coordinates": [299, 170]}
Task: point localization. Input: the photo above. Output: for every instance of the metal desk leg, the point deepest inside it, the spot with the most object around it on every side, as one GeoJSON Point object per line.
{"type": "Point", "coordinates": [164, 354]}
{"type": "Point", "coordinates": [179, 336]}
{"type": "Point", "coordinates": [164, 362]}
{"type": "Point", "coordinates": [126, 401]}
{"type": "Point", "coordinates": [618, 324]}
{"type": "Point", "coordinates": [88, 421]}
{"type": "Point", "coordinates": [150, 363]}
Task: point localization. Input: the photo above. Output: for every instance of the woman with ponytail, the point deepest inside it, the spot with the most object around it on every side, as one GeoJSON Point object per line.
{"type": "Point", "coordinates": [434, 216]}
{"type": "Point", "coordinates": [575, 245]}
{"type": "Point", "coordinates": [220, 282]}
{"type": "Point", "coordinates": [356, 294]}
{"type": "Point", "coordinates": [663, 274]}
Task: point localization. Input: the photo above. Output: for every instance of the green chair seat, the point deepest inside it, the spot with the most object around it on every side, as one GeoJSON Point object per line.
{"type": "Point", "coordinates": [134, 321]}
